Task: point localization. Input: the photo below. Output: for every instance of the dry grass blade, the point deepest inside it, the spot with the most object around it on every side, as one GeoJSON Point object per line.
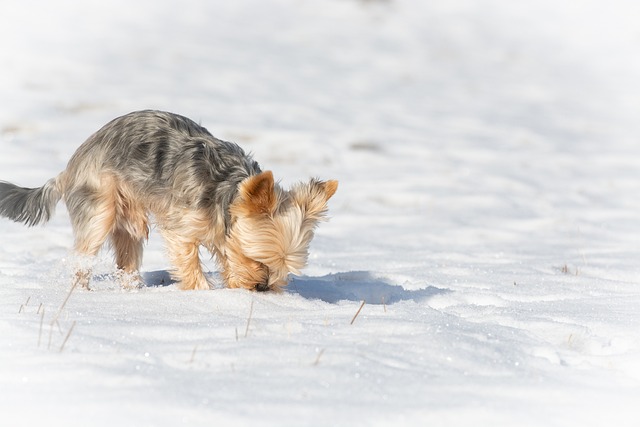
{"type": "Point", "coordinates": [24, 306]}
{"type": "Point", "coordinates": [41, 323]}
{"type": "Point", "coordinates": [67, 336]}
{"type": "Point", "coordinates": [55, 318]}
{"type": "Point", "coordinates": [64, 303]}
{"type": "Point", "coordinates": [317, 361]}
{"type": "Point", "coordinates": [567, 270]}
{"type": "Point", "coordinates": [246, 331]}
{"type": "Point", "coordinates": [357, 312]}
{"type": "Point", "coordinates": [50, 335]}
{"type": "Point", "coordinates": [53, 322]}
{"type": "Point", "coordinates": [193, 354]}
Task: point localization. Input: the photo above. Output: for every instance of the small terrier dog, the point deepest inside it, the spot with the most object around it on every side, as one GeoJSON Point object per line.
{"type": "Point", "coordinates": [200, 190]}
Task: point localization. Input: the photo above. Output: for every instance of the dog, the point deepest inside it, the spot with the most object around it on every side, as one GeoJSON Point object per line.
{"type": "Point", "coordinates": [198, 190]}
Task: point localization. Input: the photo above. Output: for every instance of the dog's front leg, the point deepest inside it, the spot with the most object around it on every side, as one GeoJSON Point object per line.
{"type": "Point", "coordinates": [185, 257]}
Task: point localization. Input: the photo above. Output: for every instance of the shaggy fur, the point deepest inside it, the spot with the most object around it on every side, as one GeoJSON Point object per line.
{"type": "Point", "coordinates": [200, 190]}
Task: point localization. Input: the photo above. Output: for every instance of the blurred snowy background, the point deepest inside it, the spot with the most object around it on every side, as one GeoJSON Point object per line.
{"type": "Point", "coordinates": [489, 162]}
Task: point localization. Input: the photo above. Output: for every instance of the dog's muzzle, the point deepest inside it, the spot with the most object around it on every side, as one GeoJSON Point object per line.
{"type": "Point", "coordinates": [262, 287]}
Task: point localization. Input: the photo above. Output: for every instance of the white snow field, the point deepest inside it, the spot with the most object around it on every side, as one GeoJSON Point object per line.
{"type": "Point", "coordinates": [488, 154]}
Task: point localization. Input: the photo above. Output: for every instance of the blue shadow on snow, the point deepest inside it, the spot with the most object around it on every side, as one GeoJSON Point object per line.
{"type": "Point", "coordinates": [156, 279]}
{"type": "Point", "coordinates": [349, 286]}
{"type": "Point", "coordinates": [357, 286]}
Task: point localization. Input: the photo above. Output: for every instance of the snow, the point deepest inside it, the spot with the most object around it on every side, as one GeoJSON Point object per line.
{"type": "Point", "coordinates": [488, 160]}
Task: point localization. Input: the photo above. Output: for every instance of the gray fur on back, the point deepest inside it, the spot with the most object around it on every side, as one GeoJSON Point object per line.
{"type": "Point", "coordinates": [166, 157]}
{"type": "Point", "coordinates": [163, 157]}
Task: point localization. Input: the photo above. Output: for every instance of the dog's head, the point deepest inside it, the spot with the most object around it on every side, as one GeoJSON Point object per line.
{"type": "Point", "coordinates": [271, 230]}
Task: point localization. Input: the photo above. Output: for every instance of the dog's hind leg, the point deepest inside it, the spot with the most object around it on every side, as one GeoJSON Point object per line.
{"type": "Point", "coordinates": [128, 251]}
{"type": "Point", "coordinates": [130, 231]}
{"type": "Point", "coordinates": [92, 212]}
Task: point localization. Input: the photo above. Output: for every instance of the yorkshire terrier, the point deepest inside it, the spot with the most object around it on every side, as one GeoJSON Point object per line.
{"type": "Point", "coordinates": [200, 191]}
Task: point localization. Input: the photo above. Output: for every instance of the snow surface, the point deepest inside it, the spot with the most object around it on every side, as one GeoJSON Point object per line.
{"type": "Point", "coordinates": [488, 158]}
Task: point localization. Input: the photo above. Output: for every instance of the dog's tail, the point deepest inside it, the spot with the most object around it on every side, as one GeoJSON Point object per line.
{"type": "Point", "coordinates": [29, 205]}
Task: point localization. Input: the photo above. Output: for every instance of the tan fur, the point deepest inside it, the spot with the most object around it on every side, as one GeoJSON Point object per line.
{"type": "Point", "coordinates": [273, 228]}
{"type": "Point", "coordinates": [183, 234]}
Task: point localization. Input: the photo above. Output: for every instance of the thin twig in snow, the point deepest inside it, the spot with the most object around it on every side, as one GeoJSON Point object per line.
{"type": "Point", "coordinates": [55, 319]}
{"type": "Point", "coordinates": [23, 306]}
{"type": "Point", "coordinates": [68, 335]}
{"type": "Point", "coordinates": [357, 312]}
{"type": "Point", "coordinates": [50, 335]}
{"type": "Point", "coordinates": [193, 353]}
{"type": "Point", "coordinates": [317, 361]}
{"type": "Point", "coordinates": [41, 322]}
{"type": "Point", "coordinates": [246, 331]}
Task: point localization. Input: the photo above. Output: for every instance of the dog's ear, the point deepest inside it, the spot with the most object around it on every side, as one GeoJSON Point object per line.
{"type": "Point", "coordinates": [313, 197]}
{"type": "Point", "coordinates": [258, 193]}
{"type": "Point", "coordinates": [330, 188]}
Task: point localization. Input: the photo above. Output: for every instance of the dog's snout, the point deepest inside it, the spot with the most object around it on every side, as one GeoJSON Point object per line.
{"type": "Point", "coordinates": [262, 287]}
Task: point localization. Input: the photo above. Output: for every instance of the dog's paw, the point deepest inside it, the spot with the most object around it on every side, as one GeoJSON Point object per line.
{"type": "Point", "coordinates": [129, 281]}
